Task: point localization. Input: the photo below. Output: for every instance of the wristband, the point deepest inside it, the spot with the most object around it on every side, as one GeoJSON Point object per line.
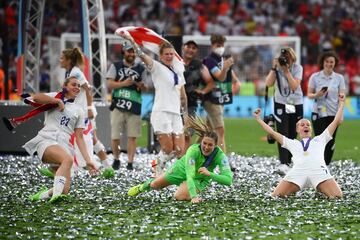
{"type": "Point", "coordinates": [273, 69]}
{"type": "Point", "coordinates": [139, 52]}
{"type": "Point", "coordinates": [89, 108]}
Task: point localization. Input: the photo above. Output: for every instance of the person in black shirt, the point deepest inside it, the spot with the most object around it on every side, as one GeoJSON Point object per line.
{"type": "Point", "coordinates": [198, 81]}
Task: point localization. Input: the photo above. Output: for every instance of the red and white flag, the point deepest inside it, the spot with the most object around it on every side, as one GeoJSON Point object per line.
{"type": "Point", "coordinates": [150, 40]}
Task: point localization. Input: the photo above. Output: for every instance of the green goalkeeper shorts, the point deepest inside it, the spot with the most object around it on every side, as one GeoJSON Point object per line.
{"type": "Point", "coordinates": [176, 175]}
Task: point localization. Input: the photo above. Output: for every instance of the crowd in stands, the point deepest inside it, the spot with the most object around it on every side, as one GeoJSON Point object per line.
{"type": "Point", "coordinates": [321, 24]}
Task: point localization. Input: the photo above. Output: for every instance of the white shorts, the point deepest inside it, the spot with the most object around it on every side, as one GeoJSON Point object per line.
{"type": "Point", "coordinates": [166, 123]}
{"type": "Point", "coordinates": [45, 139]}
{"type": "Point", "coordinates": [308, 178]}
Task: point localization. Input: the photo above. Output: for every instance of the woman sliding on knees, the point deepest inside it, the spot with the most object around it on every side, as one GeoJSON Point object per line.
{"type": "Point", "coordinates": [52, 142]}
{"type": "Point", "coordinates": [308, 157]}
{"type": "Point", "coordinates": [194, 171]}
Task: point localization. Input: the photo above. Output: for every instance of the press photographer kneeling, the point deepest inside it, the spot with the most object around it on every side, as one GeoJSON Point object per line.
{"type": "Point", "coordinates": [286, 75]}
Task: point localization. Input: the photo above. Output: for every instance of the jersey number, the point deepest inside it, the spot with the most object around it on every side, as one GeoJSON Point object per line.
{"type": "Point", "coordinates": [64, 121]}
{"type": "Point", "coordinates": [224, 98]}
{"type": "Point", "coordinates": [124, 104]}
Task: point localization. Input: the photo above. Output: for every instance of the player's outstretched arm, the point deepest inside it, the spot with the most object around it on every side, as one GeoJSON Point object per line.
{"type": "Point", "coordinates": [146, 59]}
{"type": "Point", "coordinates": [277, 136]}
{"type": "Point", "coordinates": [339, 115]}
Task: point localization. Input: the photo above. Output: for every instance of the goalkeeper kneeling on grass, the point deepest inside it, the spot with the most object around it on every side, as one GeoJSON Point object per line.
{"type": "Point", "coordinates": [194, 171]}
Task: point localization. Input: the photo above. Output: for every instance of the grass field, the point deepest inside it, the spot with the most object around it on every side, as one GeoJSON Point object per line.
{"type": "Point", "coordinates": [100, 208]}
{"type": "Point", "coordinates": [246, 137]}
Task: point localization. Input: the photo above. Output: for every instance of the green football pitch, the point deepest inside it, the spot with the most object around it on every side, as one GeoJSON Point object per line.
{"type": "Point", "coordinates": [100, 208]}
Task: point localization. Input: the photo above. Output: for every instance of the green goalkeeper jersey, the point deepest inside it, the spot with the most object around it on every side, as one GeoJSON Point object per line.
{"type": "Point", "coordinates": [186, 169]}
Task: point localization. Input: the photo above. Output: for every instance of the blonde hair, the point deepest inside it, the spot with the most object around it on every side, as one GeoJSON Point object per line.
{"type": "Point", "coordinates": [164, 45]}
{"type": "Point", "coordinates": [75, 56]}
{"type": "Point", "coordinates": [291, 53]}
{"type": "Point", "coordinates": [200, 127]}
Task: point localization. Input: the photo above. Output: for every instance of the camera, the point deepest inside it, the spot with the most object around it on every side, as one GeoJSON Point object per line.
{"type": "Point", "coordinates": [135, 78]}
{"type": "Point", "coordinates": [283, 60]}
{"type": "Point", "coordinates": [270, 120]}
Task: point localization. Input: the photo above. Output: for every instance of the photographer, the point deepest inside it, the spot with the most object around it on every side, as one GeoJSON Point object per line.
{"type": "Point", "coordinates": [124, 78]}
{"type": "Point", "coordinates": [325, 87]}
{"type": "Point", "coordinates": [286, 75]}
{"type": "Point", "coordinates": [198, 81]}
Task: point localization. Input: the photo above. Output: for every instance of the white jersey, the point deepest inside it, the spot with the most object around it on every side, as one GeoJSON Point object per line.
{"type": "Point", "coordinates": [81, 98]}
{"type": "Point", "coordinates": [314, 158]}
{"type": "Point", "coordinates": [57, 130]}
{"type": "Point", "coordinates": [167, 94]}
{"type": "Point", "coordinates": [66, 121]}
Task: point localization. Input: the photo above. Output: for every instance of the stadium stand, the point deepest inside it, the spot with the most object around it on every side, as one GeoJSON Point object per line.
{"type": "Point", "coordinates": [321, 24]}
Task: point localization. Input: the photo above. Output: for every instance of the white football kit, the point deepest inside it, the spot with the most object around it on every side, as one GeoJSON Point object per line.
{"type": "Point", "coordinates": [59, 126]}
{"type": "Point", "coordinates": [81, 100]}
{"type": "Point", "coordinates": [309, 166]}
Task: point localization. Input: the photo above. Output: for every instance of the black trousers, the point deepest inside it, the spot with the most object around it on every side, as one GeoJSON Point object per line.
{"type": "Point", "coordinates": [286, 125]}
{"type": "Point", "coordinates": [320, 124]}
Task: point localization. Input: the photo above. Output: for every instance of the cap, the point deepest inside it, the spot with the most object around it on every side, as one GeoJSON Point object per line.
{"type": "Point", "coordinates": [192, 42]}
{"type": "Point", "coordinates": [127, 46]}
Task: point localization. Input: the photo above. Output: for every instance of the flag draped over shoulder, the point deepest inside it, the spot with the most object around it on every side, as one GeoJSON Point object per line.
{"type": "Point", "coordinates": [150, 40]}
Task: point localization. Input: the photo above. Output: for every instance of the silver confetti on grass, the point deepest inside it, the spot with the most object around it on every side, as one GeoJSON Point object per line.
{"type": "Point", "coordinates": [100, 208]}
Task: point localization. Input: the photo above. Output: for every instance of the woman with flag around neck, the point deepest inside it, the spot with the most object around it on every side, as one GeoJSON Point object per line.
{"type": "Point", "coordinates": [195, 170]}
{"type": "Point", "coordinates": [170, 98]}
{"type": "Point", "coordinates": [308, 157]}
{"type": "Point", "coordinates": [52, 142]}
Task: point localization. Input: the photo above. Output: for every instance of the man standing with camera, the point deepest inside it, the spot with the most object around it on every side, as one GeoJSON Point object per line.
{"type": "Point", "coordinates": [286, 75]}
{"type": "Point", "coordinates": [224, 77]}
{"type": "Point", "coordinates": [124, 78]}
{"type": "Point", "coordinates": [198, 81]}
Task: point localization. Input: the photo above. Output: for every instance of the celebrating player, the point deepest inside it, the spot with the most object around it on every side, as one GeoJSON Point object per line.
{"type": "Point", "coordinates": [308, 157]}
{"type": "Point", "coordinates": [194, 171]}
{"type": "Point", "coordinates": [52, 141]}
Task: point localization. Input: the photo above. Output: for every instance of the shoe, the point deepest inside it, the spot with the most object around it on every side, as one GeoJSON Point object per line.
{"type": "Point", "coordinates": [108, 173]}
{"type": "Point", "coordinates": [129, 166]}
{"type": "Point", "coordinates": [157, 166]}
{"type": "Point", "coordinates": [9, 123]}
{"type": "Point", "coordinates": [116, 164]}
{"type": "Point", "coordinates": [134, 191]}
{"type": "Point", "coordinates": [46, 172]}
{"type": "Point", "coordinates": [283, 169]}
{"type": "Point", "coordinates": [36, 196]}
{"type": "Point", "coordinates": [55, 199]}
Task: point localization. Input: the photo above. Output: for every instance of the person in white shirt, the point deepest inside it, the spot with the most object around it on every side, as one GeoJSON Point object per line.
{"type": "Point", "coordinates": [324, 87]}
{"type": "Point", "coordinates": [308, 157]}
{"type": "Point", "coordinates": [170, 98]}
{"type": "Point", "coordinates": [52, 143]}
{"type": "Point", "coordinates": [72, 60]}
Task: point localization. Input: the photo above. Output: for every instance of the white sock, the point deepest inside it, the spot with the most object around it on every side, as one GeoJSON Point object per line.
{"type": "Point", "coordinates": [45, 195]}
{"type": "Point", "coordinates": [106, 163]}
{"type": "Point", "coordinates": [59, 183]}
